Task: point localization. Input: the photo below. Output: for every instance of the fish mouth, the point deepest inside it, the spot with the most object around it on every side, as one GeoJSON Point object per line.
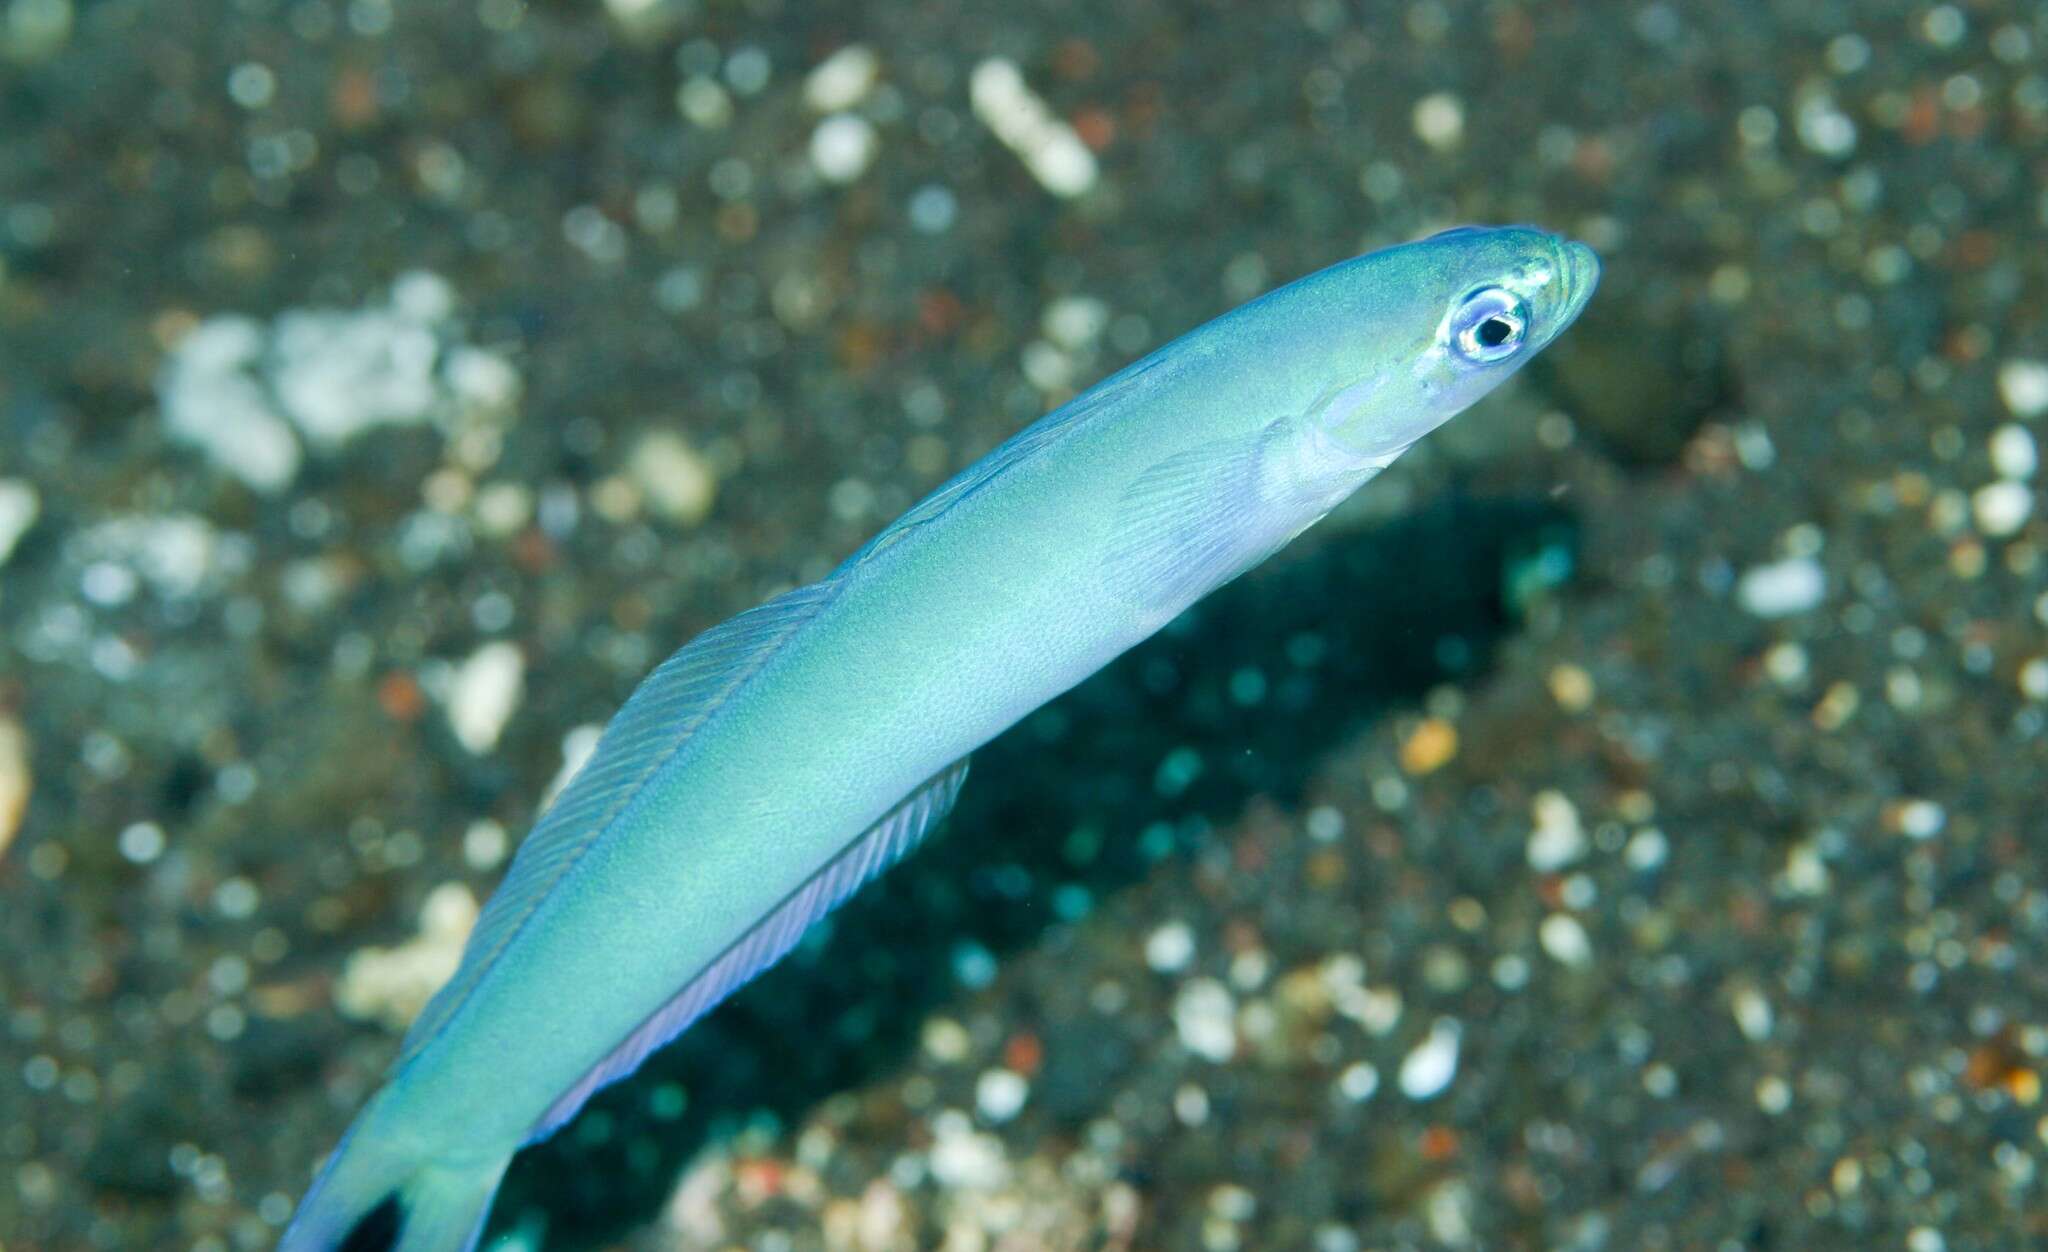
{"type": "Point", "coordinates": [1579, 266]}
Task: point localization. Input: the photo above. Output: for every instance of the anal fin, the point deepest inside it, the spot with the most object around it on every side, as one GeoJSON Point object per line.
{"type": "Point", "coordinates": [771, 938]}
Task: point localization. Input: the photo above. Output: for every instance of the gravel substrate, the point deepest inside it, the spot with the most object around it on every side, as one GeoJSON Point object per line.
{"type": "Point", "coordinates": [1620, 827]}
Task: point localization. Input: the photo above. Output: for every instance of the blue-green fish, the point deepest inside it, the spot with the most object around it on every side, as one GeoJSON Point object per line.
{"type": "Point", "coordinates": [771, 767]}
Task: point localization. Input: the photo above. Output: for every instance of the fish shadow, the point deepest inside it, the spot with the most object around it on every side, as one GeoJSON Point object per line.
{"type": "Point", "coordinates": [1243, 696]}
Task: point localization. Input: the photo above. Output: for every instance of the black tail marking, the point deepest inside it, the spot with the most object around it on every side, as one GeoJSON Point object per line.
{"type": "Point", "coordinates": [378, 1229]}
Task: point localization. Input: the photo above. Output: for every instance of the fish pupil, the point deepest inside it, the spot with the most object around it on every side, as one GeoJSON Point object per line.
{"type": "Point", "coordinates": [1495, 331]}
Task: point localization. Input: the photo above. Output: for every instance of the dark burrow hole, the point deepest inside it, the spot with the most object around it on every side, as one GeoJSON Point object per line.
{"type": "Point", "coordinates": [1640, 372]}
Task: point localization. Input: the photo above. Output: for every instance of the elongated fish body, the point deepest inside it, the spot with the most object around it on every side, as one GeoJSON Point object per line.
{"type": "Point", "coordinates": [780, 760]}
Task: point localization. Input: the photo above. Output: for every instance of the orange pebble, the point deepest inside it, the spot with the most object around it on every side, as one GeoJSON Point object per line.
{"type": "Point", "coordinates": [399, 695]}
{"type": "Point", "coordinates": [1024, 1053]}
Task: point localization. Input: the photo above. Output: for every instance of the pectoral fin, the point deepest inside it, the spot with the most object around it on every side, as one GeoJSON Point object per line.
{"type": "Point", "coordinates": [1191, 523]}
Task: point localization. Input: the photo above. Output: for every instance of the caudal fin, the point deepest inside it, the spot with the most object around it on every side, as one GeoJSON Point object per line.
{"type": "Point", "coordinates": [373, 1197]}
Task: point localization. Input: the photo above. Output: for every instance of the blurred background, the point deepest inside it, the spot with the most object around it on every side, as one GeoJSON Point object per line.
{"type": "Point", "coordinates": [1619, 827]}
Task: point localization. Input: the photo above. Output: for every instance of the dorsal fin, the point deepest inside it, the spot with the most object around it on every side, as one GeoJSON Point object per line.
{"type": "Point", "coordinates": [1041, 434]}
{"type": "Point", "coordinates": [656, 720]}
{"type": "Point", "coordinates": [771, 938]}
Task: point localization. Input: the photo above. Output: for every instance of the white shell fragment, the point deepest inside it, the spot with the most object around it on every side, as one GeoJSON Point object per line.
{"type": "Point", "coordinates": [965, 1159]}
{"type": "Point", "coordinates": [1204, 1015]}
{"type": "Point", "coordinates": [256, 398]}
{"type": "Point", "coordinates": [843, 147]}
{"type": "Point", "coordinates": [1025, 125]}
{"type": "Point", "coordinates": [486, 689]}
{"type": "Point", "coordinates": [1428, 1070]}
{"type": "Point", "coordinates": [392, 985]}
{"type": "Point", "coordinates": [1752, 1012]}
{"type": "Point", "coordinates": [2023, 385]}
{"type": "Point", "coordinates": [843, 79]}
{"type": "Point", "coordinates": [1558, 838]}
{"type": "Point", "coordinates": [1782, 588]}
{"type": "Point", "coordinates": [999, 1094]}
{"type": "Point", "coordinates": [1359, 1081]}
{"type": "Point", "coordinates": [2001, 508]}
{"type": "Point", "coordinates": [1565, 940]}
{"type": "Point", "coordinates": [15, 780]}
{"type": "Point", "coordinates": [2013, 452]}
{"type": "Point", "coordinates": [1921, 819]}
{"type": "Point", "coordinates": [674, 478]}
{"type": "Point", "coordinates": [1440, 120]}
{"type": "Point", "coordinates": [19, 505]}
{"type": "Point", "coordinates": [1170, 948]}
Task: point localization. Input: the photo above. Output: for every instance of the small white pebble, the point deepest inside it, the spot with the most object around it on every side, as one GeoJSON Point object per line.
{"type": "Point", "coordinates": [1075, 322]}
{"type": "Point", "coordinates": [1048, 368]}
{"type": "Point", "coordinates": [2002, 507]}
{"type": "Point", "coordinates": [964, 1160]}
{"type": "Point", "coordinates": [1233, 1203]}
{"type": "Point", "coordinates": [1448, 1209]}
{"type": "Point", "coordinates": [1822, 125]}
{"type": "Point", "coordinates": [1782, 588]}
{"type": "Point", "coordinates": [235, 897]}
{"type": "Point", "coordinates": [1170, 948]}
{"type": "Point", "coordinates": [1204, 1017]}
{"type": "Point", "coordinates": [1376, 1009]}
{"type": "Point", "coordinates": [1440, 120]}
{"type": "Point", "coordinates": [142, 842]}
{"type": "Point", "coordinates": [946, 1040]}
{"type": "Point", "coordinates": [674, 478]}
{"type": "Point", "coordinates": [2023, 385]}
{"type": "Point", "coordinates": [2034, 678]}
{"type": "Point", "coordinates": [1358, 1081]}
{"type": "Point", "coordinates": [252, 85]}
{"type": "Point", "coordinates": [933, 208]}
{"type": "Point", "coordinates": [1786, 663]}
{"type": "Point", "coordinates": [19, 506]}
{"type": "Point", "coordinates": [1805, 873]}
{"type": "Point", "coordinates": [1000, 1094]}
{"type": "Point", "coordinates": [843, 146]}
{"type": "Point", "coordinates": [1944, 26]}
{"type": "Point", "coordinates": [483, 379]}
{"type": "Point", "coordinates": [1324, 823]}
{"type": "Point", "coordinates": [1921, 819]}
{"type": "Point", "coordinates": [486, 690]}
{"type": "Point", "coordinates": [1331, 1237]}
{"type": "Point", "coordinates": [2013, 453]}
{"type": "Point", "coordinates": [502, 508]}
{"type": "Point", "coordinates": [843, 79]}
{"type": "Point", "coordinates": [1565, 940]}
{"type": "Point", "coordinates": [1773, 1094]}
{"type": "Point", "coordinates": [1427, 1070]}
{"type": "Point", "coordinates": [1647, 849]}
{"type": "Point", "coordinates": [483, 844]}
{"type": "Point", "coordinates": [422, 296]}
{"type": "Point", "coordinates": [1752, 1014]}
{"type": "Point", "coordinates": [706, 104]}
{"type": "Point", "coordinates": [1558, 838]}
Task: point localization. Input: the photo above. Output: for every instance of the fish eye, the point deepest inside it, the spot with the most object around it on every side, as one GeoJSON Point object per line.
{"type": "Point", "coordinates": [1489, 326]}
